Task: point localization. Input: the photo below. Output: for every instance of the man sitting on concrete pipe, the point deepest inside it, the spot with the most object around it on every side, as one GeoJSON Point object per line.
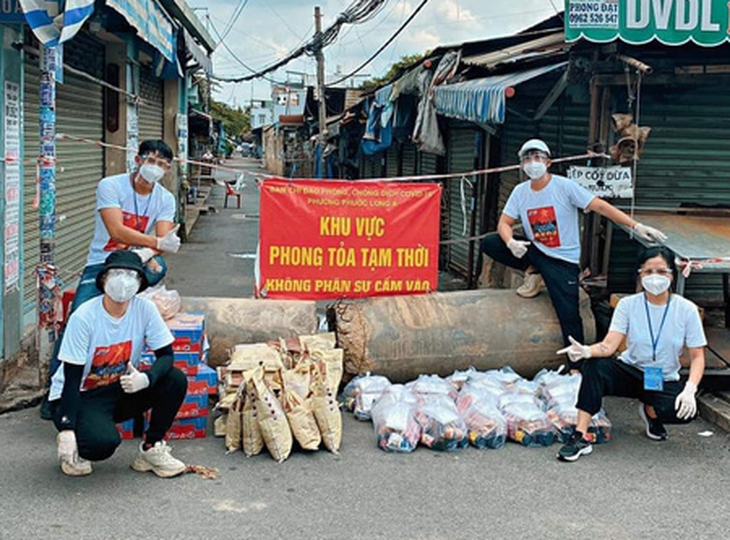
{"type": "Point", "coordinates": [548, 205]}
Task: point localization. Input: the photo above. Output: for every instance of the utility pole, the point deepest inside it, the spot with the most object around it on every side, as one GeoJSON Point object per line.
{"type": "Point", "coordinates": [320, 90]}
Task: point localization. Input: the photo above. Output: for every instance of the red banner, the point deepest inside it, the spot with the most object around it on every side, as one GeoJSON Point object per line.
{"type": "Point", "coordinates": [332, 239]}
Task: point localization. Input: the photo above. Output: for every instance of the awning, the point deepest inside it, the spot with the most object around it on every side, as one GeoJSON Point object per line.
{"type": "Point", "coordinates": [483, 100]}
{"type": "Point", "coordinates": [151, 22]}
{"type": "Point", "coordinates": [198, 53]}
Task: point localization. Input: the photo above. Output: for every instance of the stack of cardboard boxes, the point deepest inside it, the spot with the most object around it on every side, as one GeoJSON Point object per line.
{"type": "Point", "coordinates": [190, 354]}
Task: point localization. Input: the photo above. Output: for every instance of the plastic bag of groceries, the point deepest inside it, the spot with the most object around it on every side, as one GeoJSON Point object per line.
{"type": "Point", "coordinates": [272, 419]}
{"type": "Point", "coordinates": [459, 378]}
{"type": "Point", "coordinates": [505, 376]}
{"type": "Point", "coordinates": [487, 382]}
{"type": "Point", "coordinates": [486, 426]}
{"type": "Point", "coordinates": [362, 392]}
{"type": "Point", "coordinates": [394, 420]}
{"type": "Point", "coordinates": [167, 301]}
{"type": "Point", "coordinates": [428, 386]}
{"type": "Point", "coordinates": [442, 427]}
{"type": "Point", "coordinates": [527, 423]}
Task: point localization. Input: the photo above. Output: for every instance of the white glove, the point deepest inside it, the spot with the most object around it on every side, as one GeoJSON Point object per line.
{"type": "Point", "coordinates": [133, 381]}
{"type": "Point", "coordinates": [686, 404]}
{"type": "Point", "coordinates": [649, 234]}
{"type": "Point", "coordinates": [144, 253]}
{"type": "Point", "coordinates": [518, 247]}
{"type": "Point", "coordinates": [576, 351]}
{"type": "Point", "coordinates": [68, 450]}
{"type": "Point", "coordinates": [170, 243]}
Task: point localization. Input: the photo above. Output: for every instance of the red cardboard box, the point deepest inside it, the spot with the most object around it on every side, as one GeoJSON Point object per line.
{"type": "Point", "coordinates": [188, 325]}
{"type": "Point", "coordinates": [126, 430]}
{"type": "Point", "coordinates": [188, 428]}
{"type": "Point", "coordinates": [193, 406]}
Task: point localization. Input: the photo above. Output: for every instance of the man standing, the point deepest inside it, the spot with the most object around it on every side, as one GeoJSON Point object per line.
{"type": "Point", "coordinates": [548, 205]}
{"type": "Point", "coordinates": [97, 383]}
{"type": "Point", "coordinates": [133, 211]}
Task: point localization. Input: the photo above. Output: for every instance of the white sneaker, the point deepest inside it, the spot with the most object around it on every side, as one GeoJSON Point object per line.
{"type": "Point", "coordinates": [79, 467]}
{"type": "Point", "coordinates": [158, 460]}
{"type": "Point", "coordinates": [531, 287]}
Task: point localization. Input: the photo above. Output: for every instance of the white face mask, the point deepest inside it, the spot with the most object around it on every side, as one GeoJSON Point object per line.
{"type": "Point", "coordinates": [151, 173]}
{"type": "Point", "coordinates": [121, 285]}
{"type": "Point", "coordinates": [534, 169]}
{"type": "Point", "coordinates": [656, 284]}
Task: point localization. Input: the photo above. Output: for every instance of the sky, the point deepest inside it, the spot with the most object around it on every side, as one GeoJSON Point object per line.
{"type": "Point", "coordinates": [267, 30]}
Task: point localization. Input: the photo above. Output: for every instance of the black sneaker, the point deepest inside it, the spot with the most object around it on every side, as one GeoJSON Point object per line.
{"type": "Point", "coordinates": [655, 430]}
{"type": "Point", "coordinates": [575, 447]}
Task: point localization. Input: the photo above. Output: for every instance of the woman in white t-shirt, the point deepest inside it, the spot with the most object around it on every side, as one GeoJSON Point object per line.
{"type": "Point", "coordinates": [657, 326]}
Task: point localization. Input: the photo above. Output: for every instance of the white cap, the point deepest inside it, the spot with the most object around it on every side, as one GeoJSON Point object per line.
{"type": "Point", "coordinates": [533, 144]}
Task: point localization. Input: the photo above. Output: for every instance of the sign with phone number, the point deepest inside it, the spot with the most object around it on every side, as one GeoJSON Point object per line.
{"type": "Point", "coordinates": [593, 14]}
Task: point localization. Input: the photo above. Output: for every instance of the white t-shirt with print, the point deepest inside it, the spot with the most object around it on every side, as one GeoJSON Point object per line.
{"type": "Point", "coordinates": [682, 328]}
{"type": "Point", "coordinates": [550, 216]}
{"type": "Point", "coordinates": [140, 212]}
{"type": "Point", "coordinates": [104, 345]}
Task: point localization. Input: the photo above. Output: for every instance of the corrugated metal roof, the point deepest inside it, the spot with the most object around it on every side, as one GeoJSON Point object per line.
{"type": "Point", "coordinates": [483, 100]}
{"type": "Point", "coordinates": [542, 47]}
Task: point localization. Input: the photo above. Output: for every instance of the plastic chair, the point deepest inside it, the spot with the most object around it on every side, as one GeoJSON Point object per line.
{"type": "Point", "coordinates": [230, 192]}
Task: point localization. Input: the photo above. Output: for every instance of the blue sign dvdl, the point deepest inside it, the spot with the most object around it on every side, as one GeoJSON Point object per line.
{"type": "Point", "coordinates": [11, 12]}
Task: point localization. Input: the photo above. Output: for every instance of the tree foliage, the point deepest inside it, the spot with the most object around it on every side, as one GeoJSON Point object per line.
{"type": "Point", "coordinates": [403, 64]}
{"type": "Point", "coordinates": [237, 120]}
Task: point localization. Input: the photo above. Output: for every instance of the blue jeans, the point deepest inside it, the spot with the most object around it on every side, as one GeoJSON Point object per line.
{"type": "Point", "coordinates": [86, 290]}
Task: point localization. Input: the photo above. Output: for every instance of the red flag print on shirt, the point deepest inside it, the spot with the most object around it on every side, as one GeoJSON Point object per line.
{"type": "Point", "coordinates": [544, 226]}
{"type": "Point", "coordinates": [108, 365]}
{"type": "Point", "coordinates": [132, 221]}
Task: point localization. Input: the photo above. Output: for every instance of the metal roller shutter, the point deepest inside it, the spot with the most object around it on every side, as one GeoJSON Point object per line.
{"type": "Point", "coordinates": [392, 161]}
{"type": "Point", "coordinates": [151, 108]}
{"type": "Point", "coordinates": [372, 166]}
{"type": "Point", "coordinates": [80, 166]}
{"type": "Point", "coordinates": [686, 159]}
{"type": "Point", "coordinates": [462, 153]}
{"type": "Point", "coordinates": [409, 159]}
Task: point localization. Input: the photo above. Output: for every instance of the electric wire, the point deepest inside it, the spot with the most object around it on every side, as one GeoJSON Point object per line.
{"type": "Point", "coordinates": [360, 11]}
{"type": "Point", "coordinates": [234, 18]}
{"type": "Point", "coordinates": [382, 47]}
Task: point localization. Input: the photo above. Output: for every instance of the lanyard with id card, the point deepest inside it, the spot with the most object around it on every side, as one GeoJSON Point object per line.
{"type": "Point", "coordinates": [653, 378]}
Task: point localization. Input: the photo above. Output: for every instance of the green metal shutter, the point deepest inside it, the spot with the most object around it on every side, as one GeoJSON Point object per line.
{"type": "Point", "coordinates": [687, 154]}
{"type": "Point", "coordinates": [428, 163]}
{"type": "Point", "coordinates": [461, 156]}
{"type": "Point", "coordinates": [409, 159]}
{"type": "Point", "coordinates": [686, 159]}
{"type": "Point", "coordinates": [151, 109]}
{"type": "Point", "coordinates": [80, 166]}
{"type": "Point", "coordinates": [392, 161]}
{"type": "Point", "coordinates": [372, 166]}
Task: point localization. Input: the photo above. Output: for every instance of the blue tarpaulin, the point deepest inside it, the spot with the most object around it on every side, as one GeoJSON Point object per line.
{"type": "Point", "coordinates": [483, 100]}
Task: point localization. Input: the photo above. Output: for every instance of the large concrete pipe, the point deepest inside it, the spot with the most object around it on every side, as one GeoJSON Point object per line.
{"type": "Point", "coordinates": [404, 336]}
{"type": "Point", "coordinates": [230, 321]}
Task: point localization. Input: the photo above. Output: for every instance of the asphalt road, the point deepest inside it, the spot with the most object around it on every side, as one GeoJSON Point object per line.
{"type": "Point", "coordinates": [629, 488]}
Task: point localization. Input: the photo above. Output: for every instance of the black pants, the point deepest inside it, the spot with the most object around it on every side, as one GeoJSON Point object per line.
{"type": "Point", "coordinates": [101, 409]}
{"type": "Point", "coordinates": [561, 280]}
{"type": "Point", "coordinates": [612, 377]}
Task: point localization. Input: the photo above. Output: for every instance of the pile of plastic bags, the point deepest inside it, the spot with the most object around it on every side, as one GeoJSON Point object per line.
{"type": "Point", "coordinates": [282, 392]}
{"type": "Point", "coordinates": [481, 409]}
